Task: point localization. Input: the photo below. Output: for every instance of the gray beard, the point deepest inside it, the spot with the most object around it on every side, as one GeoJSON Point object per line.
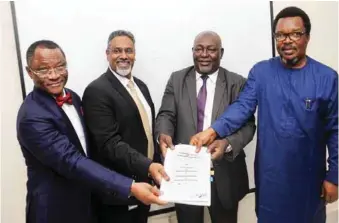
{"type": "Point", "coordinates": [293, 62]}
{"type": "Point", "coordinates": [124, 72]}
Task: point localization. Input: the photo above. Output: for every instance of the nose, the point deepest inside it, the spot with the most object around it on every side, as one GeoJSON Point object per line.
{"type": "Point", "coordinates": [53, 75]}
{"type": "Point", "coordinates": [123, 55]}
{"type": "Point", "coordinates": [287, 39]}
{"type": "Point", "coordinates": [204, 53]}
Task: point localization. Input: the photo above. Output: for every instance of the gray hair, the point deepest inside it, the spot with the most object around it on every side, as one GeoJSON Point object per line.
{"type": "Point", "coordinates": [120, 33]}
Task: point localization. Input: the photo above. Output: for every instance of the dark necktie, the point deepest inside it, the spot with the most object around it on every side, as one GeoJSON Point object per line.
{"type": "Point", "coordinates": [201, 102]}
{"type": "Point", "coordinates": [60, 100]}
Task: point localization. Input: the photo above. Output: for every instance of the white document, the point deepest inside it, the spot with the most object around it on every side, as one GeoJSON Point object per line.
{"type": "Point", "coordinates": [189, 174]}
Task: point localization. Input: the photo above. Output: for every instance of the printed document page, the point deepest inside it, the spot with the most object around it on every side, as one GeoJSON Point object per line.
{"type": "Point", "coordinates": [189, 174]}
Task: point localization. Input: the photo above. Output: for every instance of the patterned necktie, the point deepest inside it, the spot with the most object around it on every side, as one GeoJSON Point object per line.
{"type": "Point", "coordinates": [201, 102]}
{"type": "Point", "coordinates": [144, 118]}
{"type": "Point", "coordinates": [61, 99]}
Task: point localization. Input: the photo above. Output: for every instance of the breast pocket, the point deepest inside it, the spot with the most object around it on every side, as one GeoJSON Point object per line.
{"type": "Point", "coordinates": [304, 117]}
{"type": "Point", "coordinates": [310, 105]}
{"type": "Point", "coordinates": [313, 111]}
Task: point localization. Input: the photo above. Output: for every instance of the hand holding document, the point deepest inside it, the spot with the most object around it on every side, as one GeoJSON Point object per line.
{"type": "Point", "coordinates": [189, 174]}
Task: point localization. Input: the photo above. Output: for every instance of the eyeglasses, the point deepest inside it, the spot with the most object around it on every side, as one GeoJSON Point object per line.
{"type": "Point", "coordinates": [200, 50]}
{"type": "Point", "coordinates": [294, 36]}
{"type": "Point", "coordinates": [47, 71]}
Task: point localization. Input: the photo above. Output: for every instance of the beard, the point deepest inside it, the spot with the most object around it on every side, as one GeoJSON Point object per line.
{"type": "Point", "coordinates": [124, 72]}
{"type": "Point", "coordinates": [291, 62]}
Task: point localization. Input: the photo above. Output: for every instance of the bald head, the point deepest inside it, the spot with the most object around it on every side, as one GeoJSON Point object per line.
{"type": "Point", "coordinates": [207, 52]}
{"type": "Point", "coordinates": [208, 34]}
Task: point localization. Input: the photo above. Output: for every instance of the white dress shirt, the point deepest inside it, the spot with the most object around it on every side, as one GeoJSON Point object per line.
{"type": "Point", "coordinates": [210, 88]}
{"type": "Point", "coordinates": [124, 81]}
{"type": "Point", "coordinates": [73, 116]}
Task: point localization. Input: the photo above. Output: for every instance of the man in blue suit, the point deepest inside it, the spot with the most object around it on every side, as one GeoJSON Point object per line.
{"type": "Point", "coordinates": [51, 132]}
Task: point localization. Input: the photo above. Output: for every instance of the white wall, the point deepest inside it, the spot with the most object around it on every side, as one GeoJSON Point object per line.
{"type": "Point", "coordinates": [13, 172]}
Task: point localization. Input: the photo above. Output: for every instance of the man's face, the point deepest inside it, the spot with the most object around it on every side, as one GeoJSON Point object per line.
{"type": "Point", "coordinates": [293, 44]}
{"type": "Point", "coordinates": [207, 53]}
{"type": "Point", "coordinates": [48, 70]}
{"type": "Point", "coordinates": [121, 55]}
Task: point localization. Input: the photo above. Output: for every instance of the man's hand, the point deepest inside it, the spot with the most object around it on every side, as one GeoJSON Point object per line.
{"type": "Point", "coordinates": [203, 138]}
{"type": "Point", "coordinates": [329, 192]}
{"type": "Point", "coordinates": [165, 142]}
{"type": "Point", "coordinates": [157, 172]}
{"type": "Point", "coordinates": [217, 149]}
{"type": "Point", "coordinates": [146, 193]}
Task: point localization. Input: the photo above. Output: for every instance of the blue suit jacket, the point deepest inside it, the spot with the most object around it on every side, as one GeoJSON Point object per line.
{"type": "Point", "coordinates": [60, 176]}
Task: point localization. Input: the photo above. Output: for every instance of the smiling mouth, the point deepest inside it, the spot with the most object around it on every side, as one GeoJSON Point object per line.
{"type": "Point", "coordinates": [55, 84]}
{"type": "Point", "coordinates": [124, 65]}
{"type": "Point", "coordinates": [288, 51]}
{"type": "Point", "coordinates": [204, 63]}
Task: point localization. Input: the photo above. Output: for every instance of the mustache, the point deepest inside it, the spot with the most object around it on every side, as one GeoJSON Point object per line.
{"type": "Point", "coordinates": [124, 60]}
{"type": "Point", "coordinates": [288, 47]}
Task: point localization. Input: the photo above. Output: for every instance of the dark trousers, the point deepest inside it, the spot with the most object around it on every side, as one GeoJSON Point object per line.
{"type": "Point", "coordinates": [121, 214]}
{"type": "Point", "coordinates": [195, 214]}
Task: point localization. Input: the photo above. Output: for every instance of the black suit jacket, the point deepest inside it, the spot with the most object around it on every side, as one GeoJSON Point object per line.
{"type": "Point", "coordinates": [178, 118]}
{"type": "Point", "coordinates": [116, 135]}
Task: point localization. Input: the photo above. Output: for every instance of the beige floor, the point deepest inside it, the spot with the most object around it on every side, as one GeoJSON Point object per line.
{"type": "Point", "coordinates": [246, 213]}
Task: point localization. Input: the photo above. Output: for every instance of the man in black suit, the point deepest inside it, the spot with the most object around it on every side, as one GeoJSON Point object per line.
{"type": "Point", "coordinates": [194, 97]}
{"type": "Point", "coordinates": [119, 115]}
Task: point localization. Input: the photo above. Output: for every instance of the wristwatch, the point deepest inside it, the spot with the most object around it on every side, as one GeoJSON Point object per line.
{"type": "Point", "coordinates": [228, 148]}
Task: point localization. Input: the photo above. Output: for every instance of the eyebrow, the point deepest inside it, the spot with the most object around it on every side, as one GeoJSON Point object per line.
{"type": "Point", "coordinates": [293, 30]}
{"type": "Point", "coordinates": [200, 45]}
{"type": "Point", "coordinates": [44, 66]}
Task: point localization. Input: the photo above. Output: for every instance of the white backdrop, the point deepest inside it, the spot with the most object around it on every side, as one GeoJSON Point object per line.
{"type": "Point", "coordinates": [164, 32]}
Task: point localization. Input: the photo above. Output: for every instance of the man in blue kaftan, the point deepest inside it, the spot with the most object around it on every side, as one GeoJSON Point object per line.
{"type": "Point", "coordinates": [297, 99]}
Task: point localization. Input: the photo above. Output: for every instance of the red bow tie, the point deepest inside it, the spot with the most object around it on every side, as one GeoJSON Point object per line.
{"type": "Point", "coordinates": [60, 100]}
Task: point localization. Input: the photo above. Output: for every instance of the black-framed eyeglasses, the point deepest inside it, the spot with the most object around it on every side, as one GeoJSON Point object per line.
{"type": "Point", "coordinates": [47, 71]}
{"type": "Point", "coordinates": [294, 36]}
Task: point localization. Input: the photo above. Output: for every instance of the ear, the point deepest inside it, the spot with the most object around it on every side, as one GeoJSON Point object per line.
{"type": "Point", "coordinates": [308, 37]}
{"type": "Point", "coordinates": [107, 55]}
{"type": "Point", "coordinates": [29, 72]}
{"type": "Point", "coordinates": [221, 53]}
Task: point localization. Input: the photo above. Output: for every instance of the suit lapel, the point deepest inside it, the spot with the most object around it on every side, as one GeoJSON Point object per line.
{"type": "Point", "coordinates": [146, 96]}
{"type": "Point", "coordinates": [120, 88]}
{"type": "Point", "coordinates": [191, 87]}
{"type": "Point", "coordinates": [218, 102]}
{"type": "Point", "coordinates": [78, 108]}
{"type": "Point", "coordinates": [72, 133]}
{"type": "Point", "coordinates": [125, 94]}
{"type": "Point", "coordinates": [49, 103]}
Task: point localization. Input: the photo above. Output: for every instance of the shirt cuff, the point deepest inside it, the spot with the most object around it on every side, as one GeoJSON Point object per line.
{"type": "Point", "coordinates": [228, 148]}
{"type": "Point", "coordinates": [130, 192]}
{"type": "Point", "coordinates": [218, 128]}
